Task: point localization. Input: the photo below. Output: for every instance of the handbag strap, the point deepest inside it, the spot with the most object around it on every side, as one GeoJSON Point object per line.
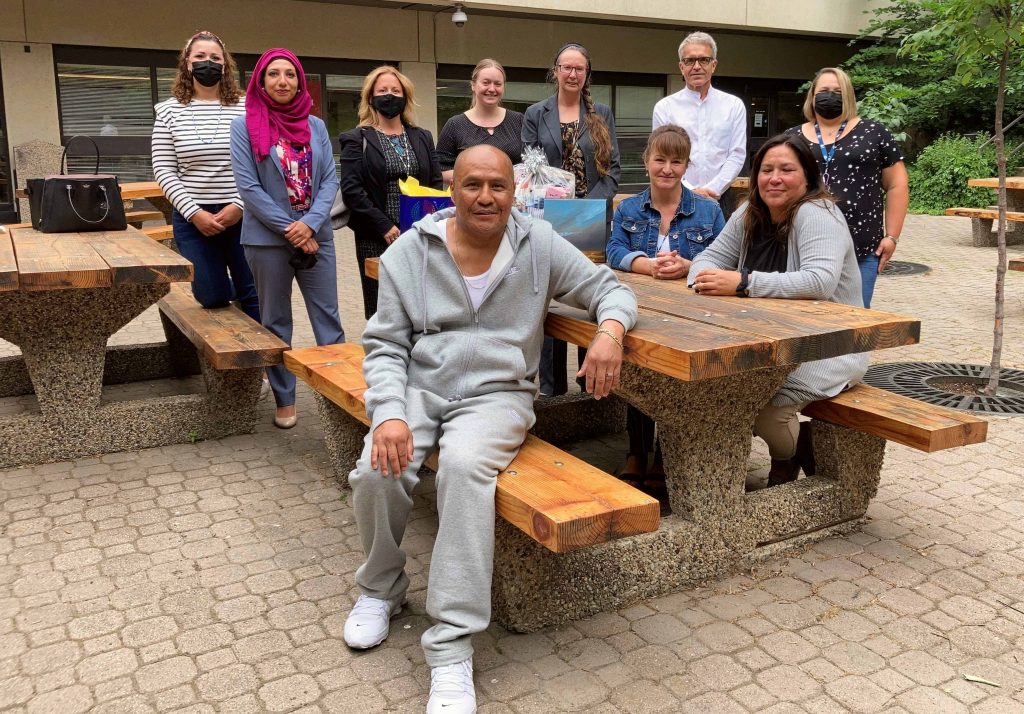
{"type": "Point", "coordinates": [101, 218]}
{"type": "Point", "coordinates": [64, 156]}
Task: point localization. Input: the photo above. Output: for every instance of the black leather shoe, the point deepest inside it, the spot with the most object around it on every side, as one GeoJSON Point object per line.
{"type": "Point", "coordinates": [805, 450]}
{"type": "Point", "coordinates": [783, 471]}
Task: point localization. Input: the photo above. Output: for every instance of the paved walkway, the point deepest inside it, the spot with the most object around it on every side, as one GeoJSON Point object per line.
{"type": "Point", "coordinates": [215, 577]}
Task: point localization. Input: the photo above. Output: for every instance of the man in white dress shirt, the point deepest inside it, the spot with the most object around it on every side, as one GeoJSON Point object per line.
{"type": "Point", "coordinates": [716, 121]}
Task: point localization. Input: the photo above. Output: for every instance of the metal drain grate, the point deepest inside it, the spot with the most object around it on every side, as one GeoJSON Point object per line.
{"type": "Point", "coordinates": [924, 381]}
{"type": "Point", "coordinates": [899, 268]}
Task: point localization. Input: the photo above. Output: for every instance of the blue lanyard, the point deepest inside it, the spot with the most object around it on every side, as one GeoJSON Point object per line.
{"type": "Point", "coordinates": [828, 154]}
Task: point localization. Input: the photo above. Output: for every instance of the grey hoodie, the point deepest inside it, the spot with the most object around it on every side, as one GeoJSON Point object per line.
{"type": "Point", "coordinates": [426, 333]}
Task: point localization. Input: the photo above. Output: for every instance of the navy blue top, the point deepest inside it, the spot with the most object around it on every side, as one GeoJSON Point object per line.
{"type": "Point", "coordinates": [636, 225]}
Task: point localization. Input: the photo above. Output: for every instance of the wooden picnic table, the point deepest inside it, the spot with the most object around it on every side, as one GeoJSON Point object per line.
{"type": "Point", "coordinates": [1014, 190]}
{"type": "Point", "coordinates": [982, 219]}
{"type": "Point", "coordinates": [702, 367]}
{"type": "Point", "coordinates": [62, 295]}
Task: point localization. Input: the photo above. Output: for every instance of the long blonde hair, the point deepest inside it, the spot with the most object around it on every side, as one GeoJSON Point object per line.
{"type": "Point", "coordinates": [599, 132]}
{"type": "Point", "coordinates": [483, 64]}
{"type": "Point", "coordinates": [367, 114]}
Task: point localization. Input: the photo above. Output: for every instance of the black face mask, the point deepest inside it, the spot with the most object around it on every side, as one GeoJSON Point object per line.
{"type": "Point", "coordinates": [828, 105]}
{"type": "Point", "coordinates": [208, 73]}
{"type": "Point", "coordinates": [389, 105]}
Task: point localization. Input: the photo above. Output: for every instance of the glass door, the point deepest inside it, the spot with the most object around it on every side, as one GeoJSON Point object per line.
{"type": "Point", "coordinates": [8, 208]}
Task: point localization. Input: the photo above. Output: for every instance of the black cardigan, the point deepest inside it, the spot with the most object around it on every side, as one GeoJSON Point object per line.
{"type": "Point", "coordinates": [363, 185]}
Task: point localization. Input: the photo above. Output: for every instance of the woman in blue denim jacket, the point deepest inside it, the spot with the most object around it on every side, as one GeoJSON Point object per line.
{"type": "Point", "coordinates": [659, 232]}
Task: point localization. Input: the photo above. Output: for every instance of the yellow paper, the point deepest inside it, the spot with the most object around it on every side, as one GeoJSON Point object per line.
{"type": "Point", "coordinates": [411, 187]}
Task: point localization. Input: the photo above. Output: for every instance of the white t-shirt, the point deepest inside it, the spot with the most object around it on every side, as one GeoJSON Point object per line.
{"type": "Point", "coordinates": [478, 284]}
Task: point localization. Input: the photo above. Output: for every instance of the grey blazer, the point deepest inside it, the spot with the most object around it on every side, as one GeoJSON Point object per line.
{"type": "Point", "coordinates": [268, 211]}
{"type": "Point", "coordinates": [541, 128]}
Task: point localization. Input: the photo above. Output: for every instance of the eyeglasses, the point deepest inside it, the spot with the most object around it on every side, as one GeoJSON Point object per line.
{"type": "Point", "coordinates": [569, 69]}
{"type": "Point", "coordinates": [704, 61]}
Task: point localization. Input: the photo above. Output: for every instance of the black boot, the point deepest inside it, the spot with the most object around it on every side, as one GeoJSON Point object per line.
{"type": "Point", "coordinates": [805, 450]}
{"type": "Point", "coordinates": [783, 471]}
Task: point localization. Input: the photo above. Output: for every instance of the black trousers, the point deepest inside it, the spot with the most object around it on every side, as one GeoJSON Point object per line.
{"type": "Point", "coordinates": [368, 248]}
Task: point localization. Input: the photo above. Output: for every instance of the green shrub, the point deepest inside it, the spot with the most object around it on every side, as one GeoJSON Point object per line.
{"type": "Point", "coordinates": [938, 179]}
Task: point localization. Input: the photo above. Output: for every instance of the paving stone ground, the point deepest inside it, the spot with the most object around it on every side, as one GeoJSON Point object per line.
{"type": "Point", "coordinates": [215, 577]}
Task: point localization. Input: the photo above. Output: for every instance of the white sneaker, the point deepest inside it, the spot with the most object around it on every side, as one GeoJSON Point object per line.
{"type": "Point", "coordinates": [451, 689]}
{"type": "Point", "coordinates": [369, 622]}
{"type": "Point", "coordinates": [264, 389]}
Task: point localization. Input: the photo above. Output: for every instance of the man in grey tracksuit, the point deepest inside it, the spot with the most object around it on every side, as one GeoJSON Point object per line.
{"type": "Point", "coordinates": [451, 357]}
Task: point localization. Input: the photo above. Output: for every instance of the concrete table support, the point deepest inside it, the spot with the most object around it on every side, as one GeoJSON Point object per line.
{"type": "Point", "coordinates": [714, 526]}
{"type": "Point", "coordinates": [63, 338]}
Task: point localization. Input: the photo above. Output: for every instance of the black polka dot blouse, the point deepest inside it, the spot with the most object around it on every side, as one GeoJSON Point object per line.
{"type": "Point", "coordinates": [855, 178]}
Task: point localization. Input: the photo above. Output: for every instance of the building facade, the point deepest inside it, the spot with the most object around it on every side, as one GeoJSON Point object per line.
{"type": "Point", "coordinates": [96, 68]}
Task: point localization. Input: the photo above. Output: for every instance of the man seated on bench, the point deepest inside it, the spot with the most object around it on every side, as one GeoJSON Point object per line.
{"type": "Point", "coordinates": [451, 356]}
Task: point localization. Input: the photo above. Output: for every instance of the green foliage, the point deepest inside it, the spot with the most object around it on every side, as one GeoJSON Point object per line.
{"type": "Point", "coordinates": [938, 179]}
{"type": "Point", "coordinates": [915, 80]}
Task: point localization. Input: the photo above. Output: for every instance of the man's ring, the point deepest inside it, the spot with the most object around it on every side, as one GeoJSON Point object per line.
{"type": "Point", "coordinates": [609, 374]}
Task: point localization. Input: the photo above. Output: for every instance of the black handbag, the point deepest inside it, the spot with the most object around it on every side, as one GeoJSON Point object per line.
{"type": "Point", "coordinates": [72, 203]}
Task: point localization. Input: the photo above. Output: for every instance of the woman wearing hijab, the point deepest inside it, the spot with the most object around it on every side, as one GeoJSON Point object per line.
{"type": "Point", "coordinates": [386, 146]}
{"type": "Point", "coordinates": [284, 167]}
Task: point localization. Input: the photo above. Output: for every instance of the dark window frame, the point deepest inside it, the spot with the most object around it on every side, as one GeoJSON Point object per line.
{"type": "Point", "coordinates": [8, 209]}
{"type": "Point", "coordinates": [168, 59]}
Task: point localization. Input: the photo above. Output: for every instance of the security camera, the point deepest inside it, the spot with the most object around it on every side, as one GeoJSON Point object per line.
{"type": "Point", "coordinates": [459, 17]}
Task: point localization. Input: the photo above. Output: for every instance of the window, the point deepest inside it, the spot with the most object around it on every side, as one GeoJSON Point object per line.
{"type": "Point", "coordinates": [108, 95]}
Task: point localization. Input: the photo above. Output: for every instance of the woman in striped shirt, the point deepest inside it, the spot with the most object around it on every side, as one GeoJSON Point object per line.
{"type": "Point", "coordinates": [192, 164]}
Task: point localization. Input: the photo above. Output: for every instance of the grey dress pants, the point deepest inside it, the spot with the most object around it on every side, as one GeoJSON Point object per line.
{"type": "Point", "coordinates": [319, 287]}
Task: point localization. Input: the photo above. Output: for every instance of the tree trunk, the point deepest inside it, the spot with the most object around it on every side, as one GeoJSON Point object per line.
{"type": "Point", "coordinates": [997, 328]}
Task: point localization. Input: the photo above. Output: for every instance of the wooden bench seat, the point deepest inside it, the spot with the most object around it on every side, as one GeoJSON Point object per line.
{"type": "Point", "coordinates": [558, 500]}
{"type": "Point", "coordinates": [1016, 264]}
{"type": "Point", "coordinates": [894, 417]}
{"type": "Point", "coordinates": [137, 218]}
{"type": "Point", "coordinates": [226, 337]}
{"type": "Point", "coordinates": [981, 225]}
{"type": "Point", "coordinates": [160, 233]}
{"type": "Point", "coordinates": [986, 214]}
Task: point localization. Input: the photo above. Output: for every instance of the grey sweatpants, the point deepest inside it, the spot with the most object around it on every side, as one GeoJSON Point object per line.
{"type": "Point", "coordinates": [477, 438]}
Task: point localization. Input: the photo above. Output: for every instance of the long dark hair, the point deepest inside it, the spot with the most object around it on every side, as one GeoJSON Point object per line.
{"type": "Point", "coordinates": [599, 132]}
{"type": "Point", "coordinates": [184, 89]}
{"type": "Point", "coordinates": [758, 219]}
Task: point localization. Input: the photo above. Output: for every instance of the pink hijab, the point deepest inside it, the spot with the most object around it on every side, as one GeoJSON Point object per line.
{"type": "Point", "coordinates": [268, 121]}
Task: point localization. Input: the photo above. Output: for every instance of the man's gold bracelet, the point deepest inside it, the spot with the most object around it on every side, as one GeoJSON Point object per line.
{"type": "Point", "coordinates": [605, 331]}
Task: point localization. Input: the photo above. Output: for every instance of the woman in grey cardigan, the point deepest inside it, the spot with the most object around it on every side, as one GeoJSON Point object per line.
{"type": "Point", "coordinates": [577, 135]}
{"type": "Point", "coordinates": [789, 241]}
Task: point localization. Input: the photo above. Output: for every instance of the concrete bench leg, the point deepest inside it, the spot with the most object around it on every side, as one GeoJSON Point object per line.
{"type": "Point", "coordinates": [231, 399]}
{"type": "Point", "coordinates": [183, 356]}
{"type": "Point", "coordinates": [577, 416]}
{"type": "Point", "coordinates": [981, 233]}
{"type": "Point", "coordinates": [344, 436]}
